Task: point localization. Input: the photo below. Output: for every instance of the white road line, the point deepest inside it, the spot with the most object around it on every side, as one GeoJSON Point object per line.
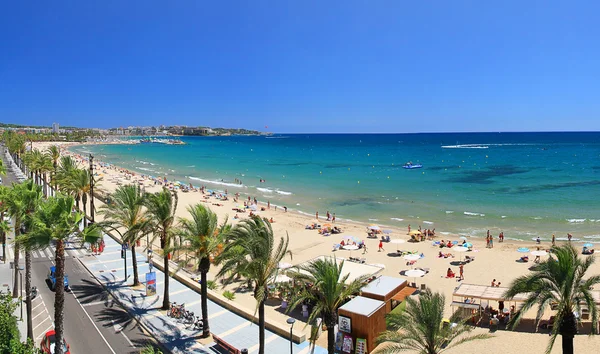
{"type": "Point", "coordinates": [44, 332]}
{"type": "Point", "coordinates": [119, 329]}
{"type": "Point", "coordinates": [94, 323]}
{"type": "Point", "coordinates": [35, 254]}
{"type": "Point", "coordinates": [36, 306]}
{"type": "Point", "coordinates": [36, 316]}
{"type": "Point", "coordinates": [271, 338]}
{"type": "Point", "coordinates": [47, 318]}
{"type": "Point", "coordinates": [48, 252]}
{"type": "Point", "coordinates": [179, 291]}
{"type": "Point", "coordinates": [234, 329]}
{"type": "Point", "coordinates": [97, 303]}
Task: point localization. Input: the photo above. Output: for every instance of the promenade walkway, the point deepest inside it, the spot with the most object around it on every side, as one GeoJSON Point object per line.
{"type": "Point", "coordinates": [108, 268]}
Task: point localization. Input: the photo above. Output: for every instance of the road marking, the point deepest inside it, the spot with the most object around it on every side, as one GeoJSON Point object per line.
{"type": "Point", "coordinates": [271, 338]}
{"type": "Point", "coordinates": [36, 306]}
{"type": "Point", "coordinates": [44, 332]}
{"type": "Point", "coordinates": [217, 314]}
{"type": "Point", "coordinates": [36, 316]}
{"type": "Point", "coordinates": [48, 252]}
{"type": "Point", "coordinates": [105, 302]}
{"type": "Point", "coordinates": [119, 329]}
{"type": "Point", "coordinates": [234, 329]}
{"type": "Point", "coordinates": [35, 254]}
{"type": "Point", "coordinates": [93, 323]}
{"type": "Point", "coordinates": [179, 291]}
{"type": "Point", "coordinates": [47, 318]}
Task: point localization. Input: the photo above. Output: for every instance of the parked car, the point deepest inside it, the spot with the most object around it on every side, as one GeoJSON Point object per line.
{"type": "Point", "coordinates": [49, 342]}
{"type": "Point", "coordinates": [52, 279]}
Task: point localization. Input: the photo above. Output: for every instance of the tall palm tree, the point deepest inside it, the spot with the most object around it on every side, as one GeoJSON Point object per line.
{"type": "Point", "coordinates": [44, 166]}
{"type": "Point", "coordinates": [202, 237]}
{"type": "Point", "coordinates": [23, 202]}
{"type": "Point", "coordinates": [563, 281]}
{"type": "Point", "coordinates": [126, 212]}
{"type": "Point", "coordinates": [419, 327]}
{"type": "Point", "coordinates": [328, 292]}
{"type": "Point", "coordinates": [54, 222]}
{"type": "Point", "coordinates": [161, 207]}
{"type": "Point", "coordinates": [252, 253]}
{"type": "Point", "coordinates": [54, 153]}
{"type": "Point", "coordinates": [64, 173]}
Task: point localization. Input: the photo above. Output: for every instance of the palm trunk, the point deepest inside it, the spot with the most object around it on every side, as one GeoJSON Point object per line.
{"type": "Point", "coordinates": [84, 202]}
{"type": "Point", "coordinates": [204, 267]}
{"type": "Point", "coordinates": [166, 302]}
{"type": "Point", "coordinates": [330, 323]}
{"type": "Point", "coordinates": [44, 186]}
{"type": "Point", "coordinates": [567, 344]}
{"type": "Point", "coordinates": [3, 240]}
{"type": "Point", "coordinates": [136, 278]}
{"type": "Point", "coordinates": [567, 330]}
{"type": "Point", "coordinates": [17, 251]}
{"type": "Point", "coordinates": [261, 327]}
{"type": "Point", "coordinates": [59, 300]}
{"type": "Point", "coordinates": [28, 292]}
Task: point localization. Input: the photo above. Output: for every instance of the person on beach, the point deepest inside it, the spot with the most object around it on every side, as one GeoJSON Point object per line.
{"type": "Point", "coordinates": [380, 246]}
{"type": "Point", "coordinates": [553, 240]}
{"type": "Point", "coordinates": [364, 246]}
{"type": "Point", "coordinates": [333, 218]}
{"type": "Point", "coordinates": [268, 204]}
{"type": "Point", "coordinates": [317, 215]}
{"type": "Point", "coordinates": [487, 241]}
{"type": "Point", "coordinates": [285, 209]}
{"type": "Point", "coordinates": [409, 228]}
{"type": "Point", "coordinates": [461, 272]}
{"type": "Point", "coordinates": [328, 216]}
{"type": "Point", "coordinates": [569, 237]}
{"type": "Point", "coordinates": [450, 273]}
{"type": "Point", "coordinates": [494, 282]}
{"type": "Point", "coordinates": [491, 241]}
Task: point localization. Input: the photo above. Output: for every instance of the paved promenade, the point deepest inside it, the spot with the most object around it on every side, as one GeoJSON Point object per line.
{"type": "Point", "coordinates": [234, 329]}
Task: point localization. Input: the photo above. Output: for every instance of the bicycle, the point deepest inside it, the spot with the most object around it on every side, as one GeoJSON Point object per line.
{"type": "Point", "coordinates": [176, 310]}
{"type": "Point", "coordinates": [198, 324]}
{"type": "Point", "coordinates": [188, 317]}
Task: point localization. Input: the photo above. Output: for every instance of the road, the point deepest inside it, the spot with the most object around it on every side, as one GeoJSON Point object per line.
{"type": "Point", "coordinates": [93, 322]}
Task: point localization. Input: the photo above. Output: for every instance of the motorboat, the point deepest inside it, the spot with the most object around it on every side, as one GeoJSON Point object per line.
{"type": "Point", "coordinates": [410, 165]}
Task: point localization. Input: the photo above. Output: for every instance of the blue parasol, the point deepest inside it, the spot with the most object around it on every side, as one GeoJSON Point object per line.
{"type": "Point", "coordinates": [523, 250]}
{"type": "Point", "coordinates": [588, 245]}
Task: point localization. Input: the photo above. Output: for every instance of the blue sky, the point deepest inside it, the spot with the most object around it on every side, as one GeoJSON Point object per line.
{"type": "Point", "coordinates": [303, 66]}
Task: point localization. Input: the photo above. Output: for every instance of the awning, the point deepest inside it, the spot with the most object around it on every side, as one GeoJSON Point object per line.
{"type": "Point", "coordinates": [465, 305]}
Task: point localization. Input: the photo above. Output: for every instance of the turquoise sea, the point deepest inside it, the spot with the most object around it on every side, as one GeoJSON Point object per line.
{"type": "Point", "coordinates": [525, 184]}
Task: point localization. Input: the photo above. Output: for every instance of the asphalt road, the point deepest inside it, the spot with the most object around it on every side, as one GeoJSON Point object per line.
{"type": "Point", "coordinates": [93, 322]}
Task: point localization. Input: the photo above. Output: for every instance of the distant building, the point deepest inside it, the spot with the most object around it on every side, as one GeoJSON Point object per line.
{"type": "Point", "coordinates": [55, 128]}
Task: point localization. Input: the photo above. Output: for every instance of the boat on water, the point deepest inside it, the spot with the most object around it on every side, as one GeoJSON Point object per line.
{"type": "Point", "coordinates": [410, 165]}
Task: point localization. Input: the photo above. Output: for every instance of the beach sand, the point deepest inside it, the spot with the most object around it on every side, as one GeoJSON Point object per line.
{"type": "Point", "coordinates": [498, 263]}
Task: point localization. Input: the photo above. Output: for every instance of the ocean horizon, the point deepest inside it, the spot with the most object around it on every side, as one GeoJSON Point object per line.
{"type": "Point", "coordinates": [526, 184]}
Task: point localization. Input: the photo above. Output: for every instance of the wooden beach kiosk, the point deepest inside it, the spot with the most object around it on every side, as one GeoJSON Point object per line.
{"type": "Point", "coordinates": [361, 320]}
{"type": "Point", "coordinates": [391, 290]}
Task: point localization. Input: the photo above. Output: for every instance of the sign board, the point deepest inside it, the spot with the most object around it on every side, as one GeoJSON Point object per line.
{"type": "Point", "coordinates": [125, 246]}
{"type": "Point", "coordinates": [345, 324]}
{"type": "Point", "coordinates": [361, 346]}
{"type": "Point", "coordinates": [150, 284]}
{"type": "Point", "coordinates": [347, 345]}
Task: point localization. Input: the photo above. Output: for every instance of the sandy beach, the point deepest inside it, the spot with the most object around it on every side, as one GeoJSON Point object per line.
{"type": "Point", "coordinates": [497, 263]}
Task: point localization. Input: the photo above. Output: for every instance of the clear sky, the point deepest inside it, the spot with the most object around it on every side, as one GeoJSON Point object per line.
{"type": "Point", "coordinates": [303, 66]}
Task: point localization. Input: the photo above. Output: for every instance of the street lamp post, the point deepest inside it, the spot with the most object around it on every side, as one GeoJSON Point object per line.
{"type": "Point", "coordinates": [291, 322]}
{"type": "Point", "coordinates": [92, 187]}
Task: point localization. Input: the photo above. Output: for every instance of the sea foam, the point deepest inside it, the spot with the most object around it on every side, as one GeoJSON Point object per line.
{"type": "Point", "coordinates": [221, 183]}
{"type": "Point", "coordinates": [470, 213]}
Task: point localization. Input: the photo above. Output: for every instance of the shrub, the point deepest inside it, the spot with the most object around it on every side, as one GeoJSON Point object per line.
{"type": "Point", "coordinates": [228, 295]}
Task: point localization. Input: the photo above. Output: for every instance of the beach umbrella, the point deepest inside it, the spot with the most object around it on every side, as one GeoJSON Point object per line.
{"type": "Point", "coordinates": [397, 241]}
{"type": "Point", "coordinates": [539, 253]}
{"type": "Point", "coordinates": [588, 245]}
{"type": "Point", "coordinates": [374, 227]}
{"type": "Point", "coordinates": [460, 249]}
{"type": "Point", "coordinates": [467, 244]}
{"type": "Point", "coordinates": [281, 278]}
{"type": "Point", "coordinates": [414, 233]}
{"type": "Point", "coordinates": [463, 238]}
{"type": "Point", "coordinates": [284, 265]}
{"type": "Point", "coordinates": [414, 273]}
{"type": "Point", "coordinates": [523, 250]}
{"type": "Point", "coordinates": [387, 232]}
{"type": "Point", "coordinates": [350, 248]}
{"type": "Point", "coordinates": [412, 257]}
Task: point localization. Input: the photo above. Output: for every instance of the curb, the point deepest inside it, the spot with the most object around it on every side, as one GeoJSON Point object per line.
{"type": "Point", "coordinates": [134, 316]}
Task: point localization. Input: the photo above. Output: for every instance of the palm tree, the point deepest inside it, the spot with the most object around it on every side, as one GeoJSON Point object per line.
{"type": "Point", "coordinates": [252, 253]}
{"type": "Point", "coordinates": [202, 237]}
{"type": "Point", "coordinates": [54, 153]}
{"type": "Point", "coordinates": [64, 173]}
{"type": "Point", "coordinates": [22, 203]}
{"type": "Point", "coordinates": [328, 292]}
{"type": "Point", "coordinates": [419, 327]}
{"type": "Point", "coordinates": [126, 212]}
{"type": "Point", "coordinates": [161, 207]}
{"type": "Point", "coordinates": [54, 222]}
{"type": "Point", "coordinates": [561, 281]}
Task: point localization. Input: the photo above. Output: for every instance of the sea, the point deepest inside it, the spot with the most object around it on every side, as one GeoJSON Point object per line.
{"type": "Point", "coordinates": [526, 185]}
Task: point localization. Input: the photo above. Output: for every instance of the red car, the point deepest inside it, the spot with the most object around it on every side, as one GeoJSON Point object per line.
{"type": "Point", "coordinates": [49, 342]}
